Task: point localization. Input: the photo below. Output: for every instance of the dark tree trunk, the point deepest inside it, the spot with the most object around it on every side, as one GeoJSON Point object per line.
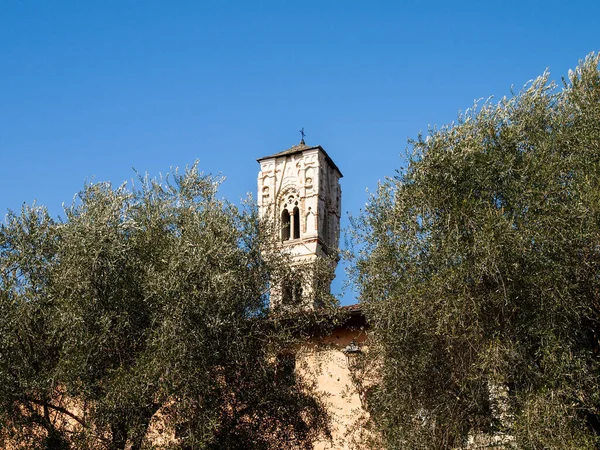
{"type": "Point", "coordinates": [138, 438]}
{"type": "Point", "coordinates": [119, 436]}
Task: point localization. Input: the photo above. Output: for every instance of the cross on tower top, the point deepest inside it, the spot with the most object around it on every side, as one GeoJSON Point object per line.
{"type": "Point", "coordinates": [302, 133]}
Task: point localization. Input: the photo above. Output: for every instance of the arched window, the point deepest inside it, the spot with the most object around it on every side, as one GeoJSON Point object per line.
{"type": "Point", "coordinates": [297, 292]}
{"type": "Point", "coordinates": [287, 293]}
{"type": "Point", "coordinates": [296, 223]}
{"type": "Point", "coordinates": [291, 292]}
{"type": "Point", "coordinates": [285, 225]}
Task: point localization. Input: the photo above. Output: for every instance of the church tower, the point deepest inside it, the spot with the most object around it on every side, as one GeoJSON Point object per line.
{"type": "Point", "coordinates": [299, 189]}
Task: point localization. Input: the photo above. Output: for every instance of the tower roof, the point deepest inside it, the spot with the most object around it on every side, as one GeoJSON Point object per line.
{"type": "Point", "coordinates": [302, 147]}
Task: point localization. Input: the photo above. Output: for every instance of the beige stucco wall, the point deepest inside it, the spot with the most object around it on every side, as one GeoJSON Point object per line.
{"type": "Point", "coordinates": [332, 370]}
{"type": "Point", "coordinates": [322, 362]}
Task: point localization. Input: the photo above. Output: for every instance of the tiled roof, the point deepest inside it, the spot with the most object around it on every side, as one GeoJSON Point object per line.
{"type": "Point", "coordinates": [292, 150]}
{"type": "Point", "coordinates": [302, 147]}
{"type": "Point", "coordinates": [352, 308]}
{"type": "Point", "coordinates": [355, 316]}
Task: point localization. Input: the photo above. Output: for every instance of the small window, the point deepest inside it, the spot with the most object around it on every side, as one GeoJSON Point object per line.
{"type": "Point", "coordinates": [285, 225]}
{"type": "Point", "coordinates": [296, 223]}
{"type": "Point", "coordinates": [291, 293]}
{"type": "Point", "coordinates": [287, 294]}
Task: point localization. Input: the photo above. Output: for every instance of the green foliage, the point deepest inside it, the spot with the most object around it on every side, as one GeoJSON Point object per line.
{"type": "Point", "coordinates": [144, 300]}
{"type": "Point", "coordinates": [479, 274]}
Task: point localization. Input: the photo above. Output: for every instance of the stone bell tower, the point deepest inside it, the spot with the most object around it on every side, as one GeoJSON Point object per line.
{"type": "Point", "coordinates": [299, 188]}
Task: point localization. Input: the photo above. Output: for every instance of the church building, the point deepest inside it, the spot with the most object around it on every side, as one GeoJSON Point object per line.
{"type": "Point", "coordinates": [299, 190]}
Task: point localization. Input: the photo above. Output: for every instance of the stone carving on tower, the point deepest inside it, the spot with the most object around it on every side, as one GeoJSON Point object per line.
{"type": "Point", "coordinates": [299, 190]}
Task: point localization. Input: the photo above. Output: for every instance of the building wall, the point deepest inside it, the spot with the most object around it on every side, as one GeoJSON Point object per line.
{"type": "Point", "coordinates": [305, 178]}
{"type": "Point", "coordinates": [332, 370]}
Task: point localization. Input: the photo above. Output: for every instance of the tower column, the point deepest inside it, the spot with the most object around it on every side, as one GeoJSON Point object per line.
{"type": "Point", "coordinates": [300, 187]}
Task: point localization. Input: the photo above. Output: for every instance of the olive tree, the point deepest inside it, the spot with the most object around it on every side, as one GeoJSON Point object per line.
{"type": "Point", "coordinates": [478, 270]}
{"type": "Point", "coordinates": [146, 309]}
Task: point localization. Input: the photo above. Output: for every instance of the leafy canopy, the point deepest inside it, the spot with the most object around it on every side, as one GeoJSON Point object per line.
{"type": "Point", "coordinates": [146, 310]}
{"type": "Point", "coordinates": [479, 274]}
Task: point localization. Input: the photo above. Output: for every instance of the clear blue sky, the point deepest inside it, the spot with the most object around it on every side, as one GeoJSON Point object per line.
{"type": "Point", "coordinates": [94, 88]}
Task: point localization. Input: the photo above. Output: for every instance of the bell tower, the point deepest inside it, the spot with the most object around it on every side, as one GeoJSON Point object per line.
{"type": "Point", "coordinates": [299, 189]}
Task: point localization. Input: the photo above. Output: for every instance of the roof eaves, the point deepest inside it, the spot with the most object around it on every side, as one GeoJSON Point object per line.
{"type": "Point", "coordinates": [303, 148]}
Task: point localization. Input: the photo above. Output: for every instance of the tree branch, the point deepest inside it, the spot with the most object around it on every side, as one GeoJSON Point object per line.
{"type": "Point", "coordinates": [57, 408]}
